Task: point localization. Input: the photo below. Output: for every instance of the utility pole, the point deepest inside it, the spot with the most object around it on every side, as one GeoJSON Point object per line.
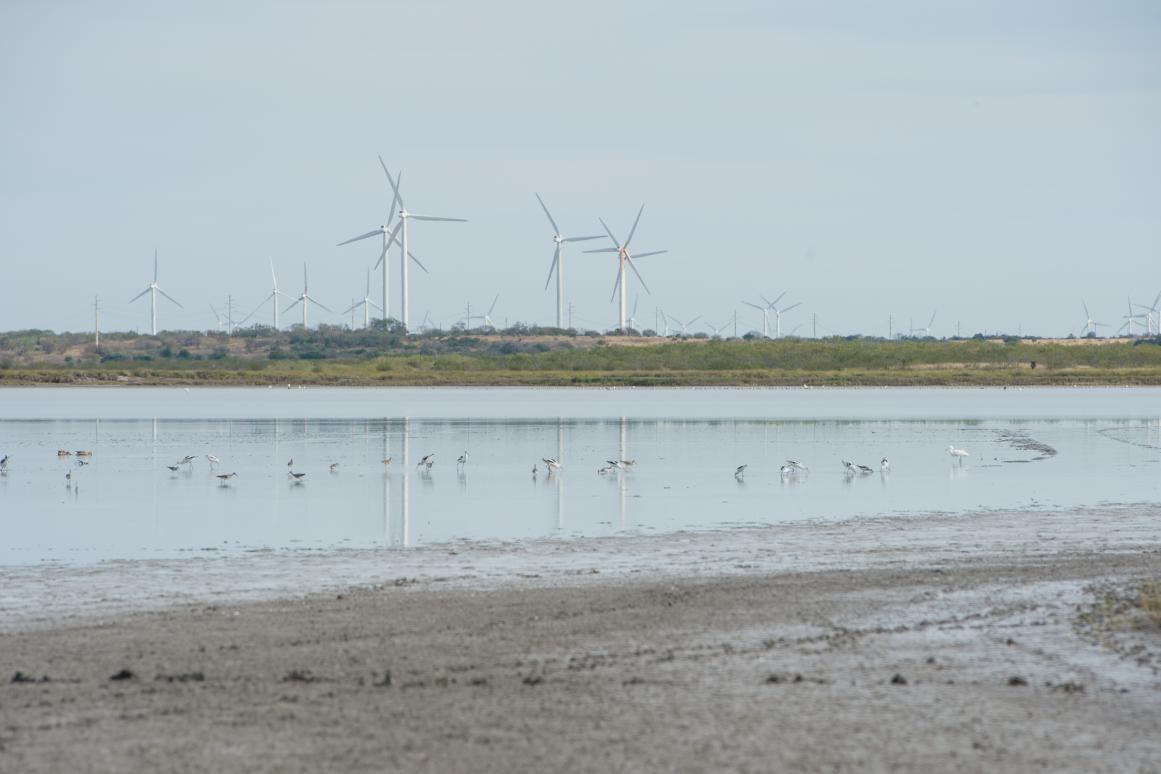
{"type": "Point", "coordinates": [957, 329]}
{"type": "Point", "coordinates": [890, 327]}
{"type": "Point", "coordinates": [229, 315]}
{"type": "Point", "coordinates": [97, 321]}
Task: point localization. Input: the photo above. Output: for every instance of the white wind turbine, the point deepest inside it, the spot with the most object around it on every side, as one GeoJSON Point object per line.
{"type": "Point", "coordinates": [405, 216]}
{"type": "Point", "coordinates": [1090, 325]}
{"type": "Point", "coordinates": [389, 236]}
{"type": "Point", "coordinates": [779, 312]}
{"type": "Point", "coordinates": [218, 317]}
{"type": "Point", "coordinates": [684, 325]}
{"type": "Point", "coordinates": [274, 294]}
{"type": "Point", "coordinates": [1129, 319]}
{"type": "Point", "coordinates": [558, 261]}
{"type": "Point", "coordinates": [305, 299]}
{"type": "Point", "coordinates": [153, 290]}
{"type": "Point", "coordinates": [485, 318]}
{"type": "Point", "coordinates": [765, 310]}
{"type": "Point", "coordinates": [366, 303]}
{"type": "Point", "coordinates": [633, 324]}
{"type": "Point", "coordinates": [717, 330]}
{"type": "Point", "coordinates": [926, 330]}
{"type": "Point", "coordinates": [625, 257]}
{"type": "Point", "coordinates": [1152, 316]}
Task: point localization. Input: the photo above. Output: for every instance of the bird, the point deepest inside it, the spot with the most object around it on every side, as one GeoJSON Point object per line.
{"type": "Point", "coordinates": [295, 476]}
{"type": "Point", "coordinates": [4, 462]}
{"type": "Point", "coordinates": [615, 464]}
{"type": "Point", "coordinates": [552, 463]}
{"type": "Point", "coordinates": [864, 470]}
{"type": "Point", "coordinates": [290, 463]}
{"type": "Point", "coordinates": [63, 453]}
{"type": "Point", "coordinates": [463, 459]}
{"type": "Point", "coordinates": [172, 467]}
{"type": "Point", "coordinates": [334, 467]}
{"type": "Point", "coordinates": [884, 466]}
{"type": "Point", "coordinates": [224, 477]}
{"type": "Point", "coordinates": [427, 459]}
{"type": "Point", "coordinates": [605, 470]}
{"type": "Point", "coordinates": [741, 471]}
{"type": "Point", "coordinates": [213, 460]}
{"type": "Point", "coordinates": [850, 466]}
{"type": "Point", "coordinates": [957, 454]}
{"type": "Point", "coordinates": [387, 462]}
{"type": "Point", "coordinates": [786, 470]}
{"type": "Point", "coordinates": [534, 470]}
{"type": "Point", "coordinates": [69, 478]}
{"type": "Point", "coordinates": [187, 460]}
{"type": "Point", "coordinates": [84, 454]}
{"type": "Point", "coordinates": [628, 463]}
{"type": "Point", "coordinates": [796, 464]}
{"type": "Point", "coordinates": [82, 462]}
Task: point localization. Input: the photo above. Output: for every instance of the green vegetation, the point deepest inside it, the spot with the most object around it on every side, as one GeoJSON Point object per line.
{"type": "Point", "coordinates": [386, 356]}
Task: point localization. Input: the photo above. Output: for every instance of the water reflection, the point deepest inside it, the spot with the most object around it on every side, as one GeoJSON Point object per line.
{"type": "Point", "coordinates": [675, 474]}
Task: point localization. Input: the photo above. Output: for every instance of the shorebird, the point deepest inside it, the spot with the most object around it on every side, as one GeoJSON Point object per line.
{"type": "Point", "coordinates": [864, 470]}
{"type": "Point", "coordinates": [463, 459]}
{"type": "Point", "coordinates": [786, 470]}
{"type": "Point", "coordinates": [850, 466]}
{"type": "Point", "coordinates": [427, 459]}
{"type": "Point", "coordinates": [63, 453]}
{"type": "Point", "coordinates": [334, 467]}
{"type": "Point", "coordinates": [884, 466]}
{"type": "Point", "coordinates": [69, 478]}
{"type": "Point", "coordinates": [605, 470]}
{"type": "Point", "coordinates": [957, 454]}
{"type": "Point", "coordinates": [551, 463]}
{"type": "Point", "coordinates": [741, 471]}
{"type": "Point", "coordinates": [628, 463]}
{"type": "Point", "coordinates": [615, 464]}
{"type": "Point", "coordinates": [4, 462]}
{"type": "Point", "coordinates": [82, 462]}
{"type": "Point", "coordinates": [187, 460]}
{"type": "Point", "coordinates": [84, 454]}
{"type": "Point", "coordinates": [290, 463]}
{"type": "Point", "coordinates": [213, 460]}
{"type": "Point", "coordinates": [796, 464]}
{"type": "Point", "coordinates": [173, 467]}
{"type": "Point", "coordinates": [387, 462]}
{"type": "Point", "coordinates": [534, 470]}
{"type": "Point", "coordinates": [224, 477]}
{"type": "Point", "coordinates": [295, 476]}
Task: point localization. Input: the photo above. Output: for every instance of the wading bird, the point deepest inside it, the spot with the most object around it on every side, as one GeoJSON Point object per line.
{"type": "Point", "coordinates": [462, 460]}
{"type": "Point", "coordinates": [334, 467]}
{"type": "Point", "coordinates": [884, 466]}
{"type": "Point", "coordinates": [225, 477]}
{"type": "Point", "coordinates": [741, 471]}
{"type": "Point", "coordinates": [796, 464]}
{"type": "Point", "coordinates": [295, 476]}
{"type": "Point", "coordinates": [213, 460]}
{"type": "Point", "coordinates": [427, 459]}
{"type": "Point", "coordinates": [957, 454]}
{"type": "Point", "coordinates": [551, 463]}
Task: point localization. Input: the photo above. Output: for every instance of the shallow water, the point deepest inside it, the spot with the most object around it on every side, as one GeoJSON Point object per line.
{"type": "Point", "coordinates": [1050, 448]}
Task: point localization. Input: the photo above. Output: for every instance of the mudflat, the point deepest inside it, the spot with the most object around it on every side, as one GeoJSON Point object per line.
{"type": "Point", "coordinates": [984, 662]}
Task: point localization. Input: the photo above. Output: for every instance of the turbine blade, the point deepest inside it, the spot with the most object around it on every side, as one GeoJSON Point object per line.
{"type": "Point", "coordinates": [368, 235]}
{"type": "Point", "coordinates": [432, 217]}
{"type": "Point", "coordinates": [633, 266]}
{"type": "Point", "coordinates": [171, 298]}
{"type": "Point", "coordinates": [492, 308]}
{"type": "Point", "coordinates": [604, 250]}
{"type": "Point", "coordinates": [316, 303]}
{"type": "Point", "coordinates": [646, 255]}
{"type": "Point", "coordinates": [352, 307]}
{"type": "Point", "coordinates": [272, 275]}
{"type": "Point", "coordinates": [633, 230]}
{"type": "Point", "coordinates": [793, 306]}
{"type": "Point", "coordinates": [610, 233]}
{"type": "Point", "coordinates": [616, 285]}
{"type": "Point", "coordinates": [543, 206]}
{"type": "Point", "coordinates": [582, 239]}
{"type": "Point", "coordinates": [1086, 314]}
{"type": "Point", "coordinates": [382, 256]}
{"type": "Point", "coordinates": [552, 266]}
{"type": "Point", "coordinates": [374, 305]}
{"type": "Point", "coordinates": [395, 184]}
{"type": "Point", "coordinates": [297, 301]}
{"type": "Point", "coordinates": [417, 263]}
{"type": "Point", "coordinates": [759, 308]}
{"type": "Point", "coordinates": [139, 295]}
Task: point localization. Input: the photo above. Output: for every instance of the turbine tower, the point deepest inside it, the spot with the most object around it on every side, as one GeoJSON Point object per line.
{"type": "Point", "coordinates": [366, 303]}
{"type": "Point", "coordinates": [765, 310]}
{"type": "Point", "coordinates": [388, 238]}
{"type": "Point", "coordinates": [153, 290]}
{"type": "Point", "coordinates": [625, 257]}
{"type": "Point", "coordinates": [305, 300]}
{"type": "Point", "coordinates": [274, 294]}
{"type": "Point", "coordinates": [405, 216]}
{"type": "Point", "coordinates": [558, 262]}
{"type": "Point", "coordinates": [1152, 315]}
{"type": "Point", "coordinates": [779, 312]}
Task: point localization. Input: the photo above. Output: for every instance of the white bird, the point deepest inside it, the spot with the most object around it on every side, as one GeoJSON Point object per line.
{"type": "Point", "coordinates": [427, 459]}
{"type": "Point", "coordinates": [741, 471]}
{"type": "Point", "coordinates": [850, 466]}
{"type": "Point", "coordinates": [551, 463]}
{"type": "Point", "coordinates": [187, 460]}
{"type": "Point", "coordinates": [615, 464]}
{"type": "Point", "coordinates": [604, 471]}
{"type": "Point", "coordinates": [462, 460]}
{"type": "Point", "coordinates": [884, 465]}
{"type": "Point", "coordinates": [786, 470]}
{"type": "Point", "coordinates": [213, 460]}
{"type": "Point", "coordinates": [796, 464]}
{"type": "Point", "coordinates": [957, 454]}
{"type": "Point", "coordinates": [628, 463]}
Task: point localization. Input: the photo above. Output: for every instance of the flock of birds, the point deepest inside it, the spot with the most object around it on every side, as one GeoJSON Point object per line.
{"type": "Point", "coordinates": [427, 461]}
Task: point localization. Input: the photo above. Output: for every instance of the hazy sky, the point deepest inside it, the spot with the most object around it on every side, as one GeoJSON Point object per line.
{"type": "Point", "coordinates": [995, 161]}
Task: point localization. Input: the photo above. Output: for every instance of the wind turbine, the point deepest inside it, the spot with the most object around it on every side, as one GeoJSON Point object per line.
{"type": "Point", "coordinates": [558, 262]}
{"type": "Point", "coordinates": [1090, 325]}
{"type": "Point", "coordinates": [388, 237]}
{"type": "Point", "coordinates": [153, 290]}
{"type": "Point", "coordinates": [366, 303]}
{"type": "Point", "coordinates": [684, 325]}
{"type": "Point", "coordinates": [274, 294]}
{"type": "Point", "coordinates": [1152, 315]}
{"type": "Point", "coordinates": [625, 257]}
{"type": "Point", "coordinates": [633, 324]}
{"type": "Point", "coordinates": [926, 330]}
{"type": "Point", "coordinates": [305, 300]}
{"type": "Point", "coordinates": [715, 330]}
{"type": "Point", "coordinates": [779, 312]}
{"type": "Point", "coordinates": [217, 317]}
{"type": "Point", "coordinates": [486, 318]}
{"type": "Point", "coordinates": [1129, 319]}
{"type": "Point", "coordinates": [405, 216]}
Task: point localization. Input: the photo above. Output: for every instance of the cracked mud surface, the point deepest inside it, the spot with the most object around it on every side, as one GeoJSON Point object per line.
{"type": "Point", "coordinates": [976, 664]}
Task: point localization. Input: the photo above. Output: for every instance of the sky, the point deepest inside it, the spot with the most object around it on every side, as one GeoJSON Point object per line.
{"type": "Point", "coordinates": [991, 162]}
